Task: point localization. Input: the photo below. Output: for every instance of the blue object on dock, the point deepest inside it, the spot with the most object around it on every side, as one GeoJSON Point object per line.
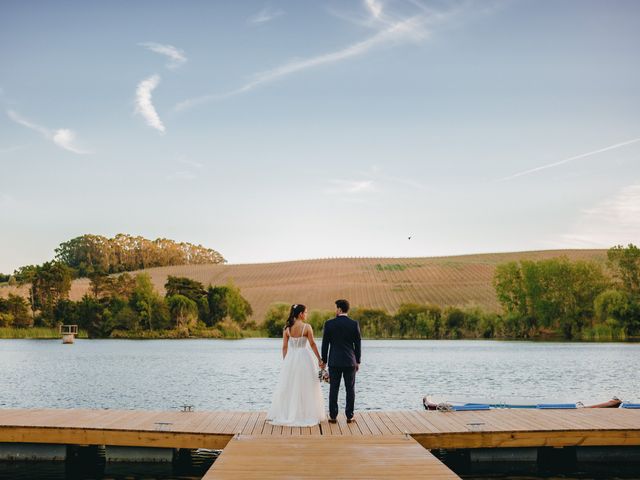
{"type": "Point", "coordinates": [471, 406]}
{"type": "Point", "coordinates": [630, 405]}
{"type": "Point", "coordinates": [544, 406]}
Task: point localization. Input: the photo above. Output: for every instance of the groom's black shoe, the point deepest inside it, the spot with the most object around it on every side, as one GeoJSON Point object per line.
{"type": "Point", "coordinates": [350, 420]}
{"type": "Point", "coordinates": [333, 420]}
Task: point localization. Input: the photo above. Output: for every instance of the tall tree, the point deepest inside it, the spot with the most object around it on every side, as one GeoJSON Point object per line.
{"type": "Point", "coordinates": [184, 311]}
{"type": "Point", "coordinates": [509, 286]}
{"type": "Point", "coordinates": [218, 305]}
{"type": "Point", "coordinates": [239, 308]}
{"type": "Point", "coordinates": [51, 283]}
{"type": "Point", "coordinates": [625, 262]}
{"type": "Point", "coordinates": [146, 302]}
{"type": "Point", "coordinates": [191, 289]}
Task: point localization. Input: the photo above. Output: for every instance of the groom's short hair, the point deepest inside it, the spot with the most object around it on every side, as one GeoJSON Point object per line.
{"type": "Point", "coordinates": [343, 305]}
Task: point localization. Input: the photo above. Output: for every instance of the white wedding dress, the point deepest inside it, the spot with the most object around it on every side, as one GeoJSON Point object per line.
{"type": "Point", "coordinates": [298, 400]}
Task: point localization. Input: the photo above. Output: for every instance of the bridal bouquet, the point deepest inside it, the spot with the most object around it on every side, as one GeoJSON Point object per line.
{"type": "Point", "coordinates": [323, 375]}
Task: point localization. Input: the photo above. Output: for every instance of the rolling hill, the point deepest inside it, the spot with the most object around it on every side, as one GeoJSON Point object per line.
{"type": "Point", "coordinates": [463, 281]}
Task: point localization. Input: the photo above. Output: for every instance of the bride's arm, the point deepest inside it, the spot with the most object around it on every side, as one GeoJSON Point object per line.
{"type": "Point", "coordinates": [285, 342]}
{"type": "Point", "coordinates": [312, 343]}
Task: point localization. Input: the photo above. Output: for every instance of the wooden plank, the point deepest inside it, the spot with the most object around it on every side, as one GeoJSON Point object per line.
{"type": "Point", "coordinates": [330, 428]}
{"type": "Point", "coordinates": [400, 422]}
{"type": "Point", "coordinates": [493, 428]}
{"type": "Point", "coordinates": [362, 424]}
{"type": "Point", "coordinates": [393, 428]}
{"type": "Point", "coordinates": [342, 425]}
{"type": "Point", "coordinates": [239, 420]}
{"type": "Point", "coordinates": [251, 423]}
{"type": "Point", "coordinates": [445, 422]}
{"type": "Point", "coordinates": [373, 428]}
{"type": "Point", "coordinates": [370, 457]}
{"type": "Point", "coordinates": [267, 428]}
{"type": "Point", "coordinates": [380, 424]}
{"type": "Point", "coordinates": [242, 422]}
{"type": "Point", "coordinates": [260, 423]}
{"type": "Point", "coordinates": [566, 438]}
{"type": "Point", "coordinates": [423, 424]}
{"type": "Point", "coordinates": [81, 436]}
{"type": "Point", "coordinates": [227, 425]}
{"type": "Point", "coordinates": [216, 421]}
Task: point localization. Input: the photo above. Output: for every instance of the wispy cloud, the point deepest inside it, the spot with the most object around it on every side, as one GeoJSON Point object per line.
{"type": "Point", "coordinates": [66, 139]}
{"type": "Point", "coordinates": [414, 28]}
{"type": "Point", "coordinates": [62, 137]}
{"type": "Point", "coordinates": [144, 105]}
{"type": "Point", "coordinates": [176, 56]}
{"type": "Point", "coordinates": [570, 159]}
{"type": "Point", "coordinates": [374, 7]}
{"type": "Point", "coordinates": [350, 187]}
{"type": "Point", "coordinates": [615, 220]}
{"type": "Point", "coordinates": [265, 15]}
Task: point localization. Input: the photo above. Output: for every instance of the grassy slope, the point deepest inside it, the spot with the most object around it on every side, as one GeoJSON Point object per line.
{"type": "Point", "coordinates": [367, 282]}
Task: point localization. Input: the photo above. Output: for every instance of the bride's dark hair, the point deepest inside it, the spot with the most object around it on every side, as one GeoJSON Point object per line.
{"type": "Point", "coordinates": [294, 313]}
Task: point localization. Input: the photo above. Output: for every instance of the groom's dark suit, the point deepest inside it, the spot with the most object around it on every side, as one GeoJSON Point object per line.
{"type": "Point", "coordinates": [341, 342]}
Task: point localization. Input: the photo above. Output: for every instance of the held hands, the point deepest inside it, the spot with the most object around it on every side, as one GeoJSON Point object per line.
{"type": "Point", "coordinates": [321, 364]}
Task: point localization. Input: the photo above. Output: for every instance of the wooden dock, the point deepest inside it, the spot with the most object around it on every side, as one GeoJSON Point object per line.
{"type": "Point", "coordinates": [322, 457]}
{"type": "Point", "coordinates": [401, 434]}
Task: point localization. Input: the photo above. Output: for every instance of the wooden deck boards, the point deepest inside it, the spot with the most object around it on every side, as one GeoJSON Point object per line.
{"type": "Point", "coordinates": [321, 457]}
{"type": "Point", "coordinates": [378, 445]}
{"type": "Point", "coordinates": [494, 428]}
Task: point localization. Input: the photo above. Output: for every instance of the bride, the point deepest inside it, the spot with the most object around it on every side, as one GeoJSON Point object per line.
{"type": "Point", "coordinates": [297, 400]}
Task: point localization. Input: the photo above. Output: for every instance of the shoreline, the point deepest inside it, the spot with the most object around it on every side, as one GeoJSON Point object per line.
{"type": "Point", "coordinates": [173, 336]}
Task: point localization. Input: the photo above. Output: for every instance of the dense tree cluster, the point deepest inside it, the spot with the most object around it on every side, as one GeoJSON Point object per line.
{"type": "Point", "coordinates": [88, 254]}
{"type": "Point", "coordinates": [410, 321]}
{"type": "Point", "coordinates": [125, 305]}
{"type": "Point", "coordinates": [576, 298]}
{"type": "Point", "coordinates": [14, 312]}
{"type": "Point", "coordinates": [129, 306]}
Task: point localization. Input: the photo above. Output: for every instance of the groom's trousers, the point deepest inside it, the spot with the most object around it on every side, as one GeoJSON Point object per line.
{"type": "Point", "coordinates": [336, 374]}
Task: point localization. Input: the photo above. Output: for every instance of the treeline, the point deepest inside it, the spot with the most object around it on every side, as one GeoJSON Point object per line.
{"type": "Point", "coordinates": [411, 321]}
{"type": "Point", "coordinates": [87, 255]}
{"type": "Point", "coordinates": [540, 299]}
{"type": "Point", "coordinates": [128, 306]}
{"type": "Point", "coordinates": [577, 299]}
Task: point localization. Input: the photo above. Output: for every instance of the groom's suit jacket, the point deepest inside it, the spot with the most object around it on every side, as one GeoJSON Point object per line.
{"type": "Point", "coordinates": [341, 342]}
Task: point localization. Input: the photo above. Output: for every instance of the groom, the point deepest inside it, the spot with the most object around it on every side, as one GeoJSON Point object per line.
{"type": "Point", "coordinates": [341, 342]}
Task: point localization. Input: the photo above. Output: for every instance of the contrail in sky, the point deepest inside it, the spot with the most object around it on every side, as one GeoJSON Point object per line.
{"type": "Point", "coordinates": [570, 159]}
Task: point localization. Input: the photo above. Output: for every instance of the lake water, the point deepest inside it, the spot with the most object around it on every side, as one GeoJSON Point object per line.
{"type": "Point", "coordinates": [241, 374]}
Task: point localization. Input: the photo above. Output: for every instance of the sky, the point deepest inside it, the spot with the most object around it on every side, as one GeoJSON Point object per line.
{"type": "Point", "coordinates": [287, 130]}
